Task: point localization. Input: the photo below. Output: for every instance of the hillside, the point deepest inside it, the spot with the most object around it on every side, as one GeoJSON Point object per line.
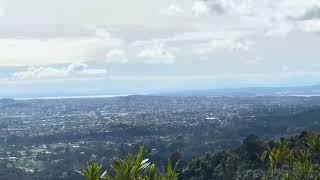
{"type": "Point", "coordinates": [244, 162]}
{"type": "Point", "coordinates": [293, 158]}
{"type": "Point", "coordinates": [297, 158]}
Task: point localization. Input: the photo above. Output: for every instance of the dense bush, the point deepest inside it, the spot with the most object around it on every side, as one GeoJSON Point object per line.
{"type": "Point", "coordinates": [294, 163]}
{"type": "Point", "coordinates": [295, 158]}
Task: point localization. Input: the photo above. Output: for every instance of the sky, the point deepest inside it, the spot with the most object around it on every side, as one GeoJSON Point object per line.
{"type": "Point", "coordinates": [81, 47]}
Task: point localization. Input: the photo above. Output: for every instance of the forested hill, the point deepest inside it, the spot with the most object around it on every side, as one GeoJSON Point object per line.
{"type": "Point", "coordinates": [286, 158]}
{"type": "Point", "coordinates": [293, 158]}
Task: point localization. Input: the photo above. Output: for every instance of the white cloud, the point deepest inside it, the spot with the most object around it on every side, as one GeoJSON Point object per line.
{"type": "Point", "coordinates": [2, 10]}
{"type": "Point", "coordinates": [116, 56]}
{"type": "Point", "coordinates": [312, 26]}
{"type": "Point", "coordinates": [270, 18]}
{"type": "Point", "coordinates": [220, 27]}
{"type": "Point", "coordinates": [281, 29]}
{"type": "Point", "coordinates": [73, 70]}
{"type": "Point", "coordinates": [232, 45]}
{"type": "Point", "coordinates": [174, 9]}
{"type": "Point", "coordinates": [102, 33]}
{"type": "Point", "coordinates": [264, 9]}
{"type": "Point", "coordinates": [194, 43]}
{"type": "Point", "coordinates": [20, 52]}
{"type": "Point", "coordinates": [252, 61]}
{"type": "Point", "coordinates": [241, 24]}
{"type": "Point", "coordinates": [200, 8]}
{"type": "Point", "coordinates": [157, 55]}
{"type": "Point", "coordinates": [208, 42]}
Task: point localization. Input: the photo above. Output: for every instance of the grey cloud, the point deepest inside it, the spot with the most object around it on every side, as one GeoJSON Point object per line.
{"type": "Point", "coordinates": [215, 6]}
{"type": "Point", "coordinates": [310, 14]}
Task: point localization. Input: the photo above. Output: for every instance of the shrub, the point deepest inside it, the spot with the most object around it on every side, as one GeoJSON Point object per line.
{"type": "Point", "coordinates": [132, 167]}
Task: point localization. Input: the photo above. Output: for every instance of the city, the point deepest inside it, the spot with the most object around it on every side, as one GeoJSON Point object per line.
{"type": "Point", "coordinates": [54, 137]}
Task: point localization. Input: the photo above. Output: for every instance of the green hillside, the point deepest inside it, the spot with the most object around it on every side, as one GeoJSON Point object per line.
{"type": "Point", "coordinates": [289, 158]}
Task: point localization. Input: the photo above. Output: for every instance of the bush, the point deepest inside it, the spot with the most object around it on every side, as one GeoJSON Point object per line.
{"type": "Point", "coordinates": [294, 163]}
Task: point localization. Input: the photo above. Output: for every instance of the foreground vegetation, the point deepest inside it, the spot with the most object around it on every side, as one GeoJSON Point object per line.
{"type": "Point", "coordinates": [293, 158]}
{"type": "Point", "coordinates": [132, 167]}
{"type": "Point", "coordinates": [294, 163]}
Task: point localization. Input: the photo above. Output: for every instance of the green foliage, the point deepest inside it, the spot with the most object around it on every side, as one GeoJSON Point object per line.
{"type": "Point", "coordinates": [132, 167]}
{"type": "Point", "coordinates": [296, 163]}
{"type": "Point", "coordinates": [314, 142]}
{"type": "Point", "coordinates": [288, 176]}
{"type": "Point", "coordinates": [92, 172]}
{"type": "Point", "coordinates": [304, 169]}
{"type": "Point", "coordinates": [170, 174]}
{"type": "Point", "coordinates": [288, 159]}
{"type": "Point", "coordinates": [279, 154]}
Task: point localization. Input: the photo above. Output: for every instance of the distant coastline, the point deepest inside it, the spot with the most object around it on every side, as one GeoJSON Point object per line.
{"type": "Point", "coordinates": [124, 95]}
{"type": "Point", "coordinates": [73, 97]}
{"type": "Point", "coordinates": [303, 95]}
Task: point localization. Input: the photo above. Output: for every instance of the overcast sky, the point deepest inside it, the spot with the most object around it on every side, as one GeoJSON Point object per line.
{"type": "Point", "coordinates": [81, 47]}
